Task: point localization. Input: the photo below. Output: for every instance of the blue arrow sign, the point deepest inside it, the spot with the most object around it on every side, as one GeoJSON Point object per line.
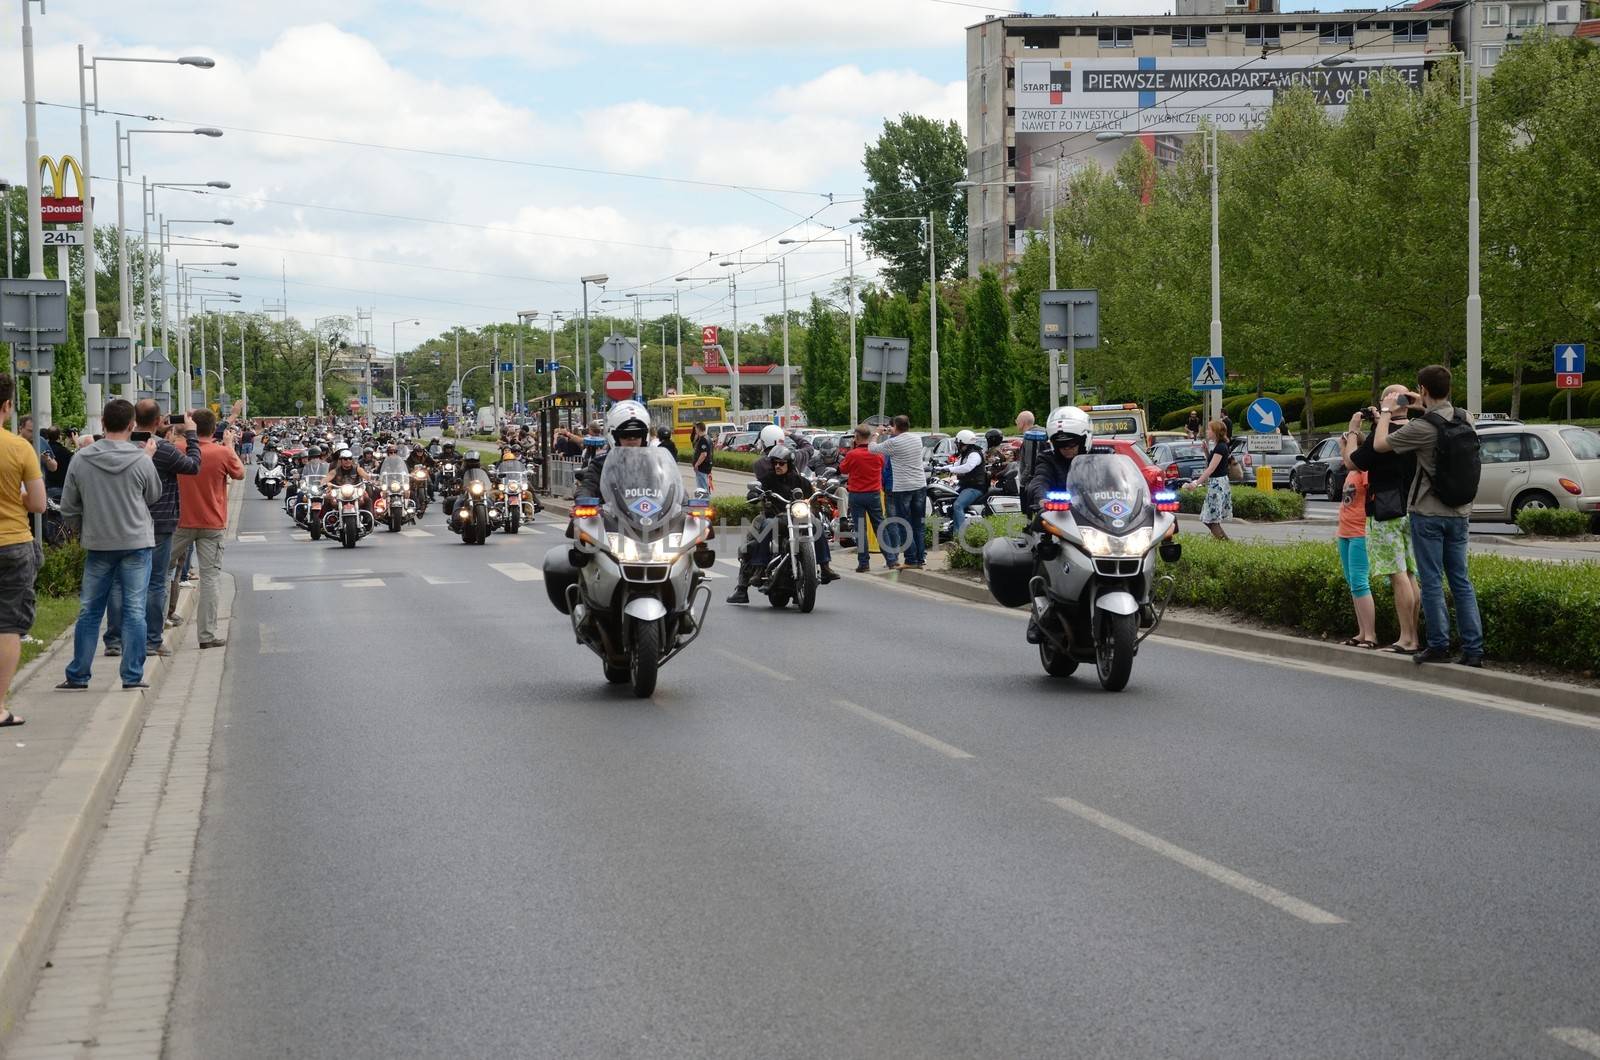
{"type": "Point", "coordinates": [1570, 357]}
{"type": "Point", "coordinates": [506, 366]}
{"type": "Point", "coordinates": [1206, 373]}
{"type": "Point", "coordinates": [1264, 415]}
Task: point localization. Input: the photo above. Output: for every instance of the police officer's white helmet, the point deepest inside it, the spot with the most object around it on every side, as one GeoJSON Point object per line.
{"type": "Point", "coordinates": [770, 436]}
{"type": "Point", "coordinates": [627, 419]}
{"type": "Point", "coordinates": [1069, 421]}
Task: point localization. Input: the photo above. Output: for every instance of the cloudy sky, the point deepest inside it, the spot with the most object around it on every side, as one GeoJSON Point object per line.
{"type": "Point", "coordinates": [459, 160]}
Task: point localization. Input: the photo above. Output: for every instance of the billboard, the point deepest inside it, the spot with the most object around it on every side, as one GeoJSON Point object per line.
{"type": "Point", "coordinates": [1163, 95]}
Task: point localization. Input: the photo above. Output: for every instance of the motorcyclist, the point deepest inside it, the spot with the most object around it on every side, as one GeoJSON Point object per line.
{"type": "Point", "coordinates": [471, 468]}
{"type": "Point", "coordinates": [971, 476]}
{"type": "Point", "coordinates": [369, 459]}
{"type": "Point", "coordinates": [771, 435]}
{"type": "Point", "coordinates": [419, 458]}
{"type": "Point", "coordinates": [345, 469]}
{"type": "Point", "coordinates": [664, 437]}
{"type": "Point", "coordinates": [628, 424]}
{"type": "Point", "coordinates": [782, 478]}
{"type": "Point", "coordinates": [1069, 431]}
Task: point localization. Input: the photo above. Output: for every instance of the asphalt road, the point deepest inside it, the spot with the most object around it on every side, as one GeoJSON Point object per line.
{"type": "Point", "coordinates": [874, 831]}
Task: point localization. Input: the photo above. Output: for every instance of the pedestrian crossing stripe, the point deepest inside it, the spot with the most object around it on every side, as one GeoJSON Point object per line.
{"type": "Point", "coordinates": [416, 533]}
{"type": "Point", "coordinates": [263, 583]}
{"type": "Point", "coordinates": [519, 572]}
{"type": "Point", "coordinates": [363, 583]}
{"type": "Point", "coordinates": [251, 539]}
{"type": "Point", "coordinates": [434, 579]}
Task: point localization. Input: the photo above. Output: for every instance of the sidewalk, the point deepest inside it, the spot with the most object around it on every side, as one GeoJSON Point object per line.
{"type": "Point", "coordinates": [59, 772]}
{"type": "Point", "coordinates": [1549, 550]}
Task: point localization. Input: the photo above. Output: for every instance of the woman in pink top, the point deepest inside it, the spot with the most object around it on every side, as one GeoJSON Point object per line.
{"type": "Point", "coordinates": [1353, 547]}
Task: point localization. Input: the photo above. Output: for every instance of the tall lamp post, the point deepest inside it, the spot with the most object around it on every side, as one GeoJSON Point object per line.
{"type": "Point", "coordinates": [125, 169]}
{"type": "Point", "coordinates": [850, 261]}
{"type": "Point", "coordinates": [518, 390]}
{"type": "Point", "coordinates": [599, 279]}
{"type": "Point", "coordinates": [933, 309]}
{"type": "Point", "coordinates": [783, 282]}
{"type": "Point", "coordinates": [394, 353]}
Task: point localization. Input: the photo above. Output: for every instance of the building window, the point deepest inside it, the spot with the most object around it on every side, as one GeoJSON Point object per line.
{"type": "Point", "coordinates": [1561, 12]}
{"type": "Point", "coordinates": [1188, 36]}
{"type": "Point", "coordinates": [1266, 36]}
{"type": "Point", "coordinates": [1523, 16]}
{"type": "Point", "coordinates": [1411, 31]}
{"type": "Point", "coordinates": [1116, 37]}
{"type": "Point", "coordinates": [1489, 54]}
{"type": "Point", "coordinates": [1492, 15]}
{"type": "Point", "coordinates": [1335, 32]}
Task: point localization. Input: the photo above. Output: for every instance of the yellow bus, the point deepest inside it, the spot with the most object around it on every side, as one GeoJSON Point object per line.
{"type": "Point", "coordinates": [681, 413]}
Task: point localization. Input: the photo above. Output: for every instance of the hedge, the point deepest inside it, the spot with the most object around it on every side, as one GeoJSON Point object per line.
{"type": "Point", "coordinates": [1533, 611]}
{"type": "Point", "coordinates": [967, 554]}
{"type": "Point", "coordinates": [1582, 400]}
{"type": "Point", "coordinates": [62, 571]}
{"type": "Point", "coordinates": [1553, 522]}
{"type": "Point", "coordinates": [1268, 506]}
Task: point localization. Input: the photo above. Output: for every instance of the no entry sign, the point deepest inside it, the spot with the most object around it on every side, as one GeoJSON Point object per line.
{"type": "Point", "coordinates": [619, 385]}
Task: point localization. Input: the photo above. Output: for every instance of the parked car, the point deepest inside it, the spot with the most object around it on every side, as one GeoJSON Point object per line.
{"type": "Point", "coordinates": [1320, 471]}
{"type": "Point", "coordinates": [937, 449]}
{"type": "Point", "coordinates": [738, 442]}
{"type": "Point", "coordinates": [716, 430]}
{"type": "Point", "coordinates": [1281, 452]}
{"type": "Point", "coordinates": [1537, 465]}
{"type": "Point", "coordinates": [1179, 461]}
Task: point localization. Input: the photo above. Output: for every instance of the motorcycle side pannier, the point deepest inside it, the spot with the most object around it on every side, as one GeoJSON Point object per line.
{"type": "Point", "coordinates": [1007, 569]}
{"type": "Point", "coordinates": [558, 574]}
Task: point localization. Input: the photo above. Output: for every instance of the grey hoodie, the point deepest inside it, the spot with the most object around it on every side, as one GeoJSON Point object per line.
{"type": "Point", "coordinates": [108, 493]}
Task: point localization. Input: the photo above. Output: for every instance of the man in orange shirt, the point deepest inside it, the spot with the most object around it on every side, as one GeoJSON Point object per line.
{"type": "Point", "coordinates": [21, 492]}
{"type": "Point", "coordinates": [203, 516]}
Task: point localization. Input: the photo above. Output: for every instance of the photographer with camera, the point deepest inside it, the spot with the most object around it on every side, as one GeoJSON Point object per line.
{"type": "Point", "coordinates": [1389, 552]}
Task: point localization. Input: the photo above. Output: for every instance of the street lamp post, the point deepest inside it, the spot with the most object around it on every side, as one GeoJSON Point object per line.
{"type": "Point", "coordinates": [598, 279]}
{"type": "Point", "coordinates": [394, 352]}
{"type": "Point", "coordinates": [933, 310]}
{"type": "Point", "coordinates": [783, 281]}
{"type": "Point", "coordinates": [519, 394]}
{"type": "Point", "coordinates": [316, 328]}
{"type": "Point", "coordinates": [850, 261]}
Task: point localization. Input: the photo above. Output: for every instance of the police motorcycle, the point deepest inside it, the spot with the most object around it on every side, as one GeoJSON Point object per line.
{"type": "Point", "coordinates": [393, 505]}
{"type": "Point", "coordinates": [633, 580]}
{"type": "Point", "coordinates": [474, 516]}
{"type": "Point", "coordinates": [1086, 566]}
{"type": "Point", "coordinates": [513, 501]}
{"type": "Point", "coordinates": [270, 476]}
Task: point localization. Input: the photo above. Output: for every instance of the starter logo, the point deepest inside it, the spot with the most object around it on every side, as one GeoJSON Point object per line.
{"type": "Point", "coordinates": [1040, 78]}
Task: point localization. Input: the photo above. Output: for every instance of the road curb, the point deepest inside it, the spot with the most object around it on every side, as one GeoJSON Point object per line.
{"type": "Point", "coordinates": [41, 867]}
{"type": "Point", "coordinates": [1216, 634]}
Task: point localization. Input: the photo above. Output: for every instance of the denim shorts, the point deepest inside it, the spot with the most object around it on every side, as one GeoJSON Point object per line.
{"type": "Point", "coordinates": [19, 568]}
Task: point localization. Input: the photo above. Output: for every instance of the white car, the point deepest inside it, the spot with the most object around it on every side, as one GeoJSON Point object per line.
{"type": "Point", "coordinates": [1537, 465]}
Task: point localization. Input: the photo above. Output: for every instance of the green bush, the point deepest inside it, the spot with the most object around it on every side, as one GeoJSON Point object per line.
{"type": "Point", "coordinates": [1581, 400]}
{"type": "Point", "coordinates": [1268, 506]}
{"type": "Point", "coordinates": [62, 572]}
{"type": "Point", "coordinates": [1174, 420]}
{"type": "Point", "coordinates": [1334, 410]}
{"type": "Point", "coordinates": [1532, 610]}
{"type": "Point", "coordinates": [732, 509]}
{"type": "Point", "coordinates": [1552, 522]}
{"type": "Point", "coordinates": [967, 554]}
{"type": "Point", "coordinates": [1593, 411]}
{"type": "Point", "coordinates": [734, 461]}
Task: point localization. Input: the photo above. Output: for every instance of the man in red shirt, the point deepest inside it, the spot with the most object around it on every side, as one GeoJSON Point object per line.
{"type": "Point", "coordinates": [203, 516]}
{"type": "Point", "coordinates": [863, 471]}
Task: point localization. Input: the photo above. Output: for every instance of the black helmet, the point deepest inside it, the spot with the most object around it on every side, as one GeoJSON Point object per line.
{"type": "Point", "coordinates": [315, 450]}
{"type": "Point", "coordinates": [471, 458]}
{"type": "Point", "coordinates": [993, 437]}
{"type": "Point", "coordinates": [664, 433]}
{"type": "Point", "coordinates": [782, 453]}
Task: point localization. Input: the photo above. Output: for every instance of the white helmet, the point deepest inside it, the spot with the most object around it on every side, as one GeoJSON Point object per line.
{"type": "Point", "coordinates": [628, 419]}
{"type": "Point", "coordinates": [966, 438]}
{"type": "Point", "coordinates": [770, 436]}
{"type": "Point", "coordinates": [1071, 421]}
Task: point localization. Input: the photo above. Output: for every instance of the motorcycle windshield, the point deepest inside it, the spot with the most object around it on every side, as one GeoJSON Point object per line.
{"type": "Point", "coordinates": [269, 458]}
{"type": "Point", "coordinates": [1109, 493]}
{"type": "Point", "coordinates": [513, 470]}
{"type": "Point", "coordinates": [311, 484]}
{"type": "Point", "coordinates": [476, 474]}
{"type": "Point", "coordinates": [643, 489]}
{"type": "Point", "coordinates": [314, 468]}
{"type": "Point", "coordinates": [392, 465]}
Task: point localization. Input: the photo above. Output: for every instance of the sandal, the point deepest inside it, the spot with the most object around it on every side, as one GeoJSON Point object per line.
{"type": "Point", "coordinates": [11, 719]}
{"type": "Point", "coordinates": [1357, 642]}
{"type": "Point", "coordinates": [1399, 649]}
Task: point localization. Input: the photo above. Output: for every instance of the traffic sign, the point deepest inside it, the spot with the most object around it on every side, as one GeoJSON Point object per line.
{"type": "Point", "coordinates": [299, 404]}
{"type": "Point", "coordinates": [155, 367]}
{"type": "Point", "coordinates": [619, 385]}
{"type": "Point", "coordinates": [1207, 373]}
{"type": "Point", "coordinates": [1264, 415]}
{"type": "Point", "coordinates": [1570, 358]}
{"type": "Point", "coordinates": [507, 366]}
{"type": "Point", "coordinates": [708, 335]}
{"type": "Point", "coordinates": [1569, 380]}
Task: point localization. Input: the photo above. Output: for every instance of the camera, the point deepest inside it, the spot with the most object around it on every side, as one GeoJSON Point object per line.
{"type": "Point", "coordinates": [1369, 415]}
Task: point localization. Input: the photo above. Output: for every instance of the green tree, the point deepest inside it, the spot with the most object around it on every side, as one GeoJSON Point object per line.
{"type": "Point", "coordinates": [912, 169]}
{"type": "Point", "coordinates": [825, 395]}
{"type": "Point", "coordinates": [986, 342]}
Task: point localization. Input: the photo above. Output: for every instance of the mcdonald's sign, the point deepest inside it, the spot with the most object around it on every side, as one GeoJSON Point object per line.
{"type": "Point", "coordinates": [54, 207]}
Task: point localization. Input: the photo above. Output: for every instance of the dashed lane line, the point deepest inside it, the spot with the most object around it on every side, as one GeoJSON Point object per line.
{"type": "Point", "coordinates": [1206, 867]}
{"type": "Point", "coordinates": [251, 539]}
{"type": "Point", "coordinates": [414, 532]}
{"type": "Point", "coordinates": [262, 583]}
{"type": "Point", "coordinates": [363, 583]}
{"type": "Point", "coordinates": [933, 743]}
{"type": "Point", "coordinates": [750, 664]}
{"type": "Point", "coordinates": [434, 579]}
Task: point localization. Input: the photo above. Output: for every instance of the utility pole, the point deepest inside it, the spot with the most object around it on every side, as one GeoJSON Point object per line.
{"type": "Point", "coordinates": [933, 328]}
{"type": "Point", "coordinates": [41, 409]}
{"type": "Point", "coordinates": [1214, 398]}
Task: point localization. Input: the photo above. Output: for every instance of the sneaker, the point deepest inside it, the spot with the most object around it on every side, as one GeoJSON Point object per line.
{"type": "Point", "coordinates": [911, 566]}
{"type": "Point", "coordinates": [113, 650]}
{"type": "Point", "coordinates": [1474, 661]}
{"type": "Point", "coordinates": [863, 569]}
{"type": "Point", "coordinates": [218, 643]}
{"type": "Point", "coordinates": [1431, 655]}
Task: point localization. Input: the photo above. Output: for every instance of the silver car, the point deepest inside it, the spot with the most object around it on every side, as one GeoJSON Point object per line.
{"type": "Point", "coordinates": [1537, 465]}
{"type": "Point", "coordinates": [1281, 452]}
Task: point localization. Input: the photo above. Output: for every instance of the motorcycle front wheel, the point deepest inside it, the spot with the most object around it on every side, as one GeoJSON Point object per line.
{"type": "Point", "coordinates": [1114, 647]}
{"type": "Point", "coordinates": [513, 521]}
{"type": "Point", "coordinates": [351, 533]}
{"type": "Point", "coordinates": [1056, 663]}
{"type": "Point", "coordinates": [646, 660]}
{"type": "Point", "coordinates": [805, 593]}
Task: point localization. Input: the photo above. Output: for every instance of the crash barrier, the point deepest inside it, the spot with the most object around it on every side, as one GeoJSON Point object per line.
{"type": "Point", "coordinates": [563, 478]}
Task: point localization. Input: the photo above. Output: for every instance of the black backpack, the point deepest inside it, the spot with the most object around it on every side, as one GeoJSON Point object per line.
{"type": "Point", "coordinates": [1456, 460]}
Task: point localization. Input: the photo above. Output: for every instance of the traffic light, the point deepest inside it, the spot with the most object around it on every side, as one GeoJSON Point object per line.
{"type": "Point", "coordinates": [538, 367]}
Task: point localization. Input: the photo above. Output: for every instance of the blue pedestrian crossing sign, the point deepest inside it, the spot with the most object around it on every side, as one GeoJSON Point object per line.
{"type": "Point", "coordinates": [1570, 357]}
{"type": "Point", "coordinates": [1206, 373]}
{"type": "Point", "coordinates": [1264, 415]}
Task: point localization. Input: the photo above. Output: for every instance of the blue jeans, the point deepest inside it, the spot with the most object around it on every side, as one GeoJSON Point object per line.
{"type": "Point", "coordinates": [155, 603]}
{"type": "Point", "coordinates": [964, 500]}
{"type": "Point", "coordinates": [760, 545]}
{"type": "Point", "coordinates": [911, 506]}
{"type": "Point", "coordinates": [130, 570]}
{"type": "Point", "coordinates": [1440, 544]}
{"type": "Point", "coordinates": [864, 506]}
{"type": "Point", "coordinates": [702, 480]}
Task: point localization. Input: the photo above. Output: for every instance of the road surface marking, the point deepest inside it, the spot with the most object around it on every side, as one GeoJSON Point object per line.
{"type": "Point", "coordinates": [948, 750]}
{"type": "Point", "coordinates": [362, 583]}
{"type": "Point", "coordinates": [757, 667]}
{"type": "Point", "coordinates": [262, 583]}
{"type": "Point", "coordinates": [251, 539]}
{"type": "Point", "coordinates": [519, 572]}
{"type": "Point", "coordinates": [711, 575]}
{"type": "Point", "coordinates": [1581, 1039]}
{"type": "Point", "coordinates": [268, 636]}
{"type": "Point", "coordinates": [415, 533]}
{"type": "Point", "coordinates": [1189, 860]}
{"type": "Point", "coordinates": [529, 530]}
{"type": "Point", "coordinates": [434, 579]}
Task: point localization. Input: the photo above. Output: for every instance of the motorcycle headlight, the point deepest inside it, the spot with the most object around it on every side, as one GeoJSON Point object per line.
{"type": "Point", "coordinates": [394, 487]}
{"type": "Point", "coordinates": [477, 489]}
{"type": "Point", "coordinates": [1098, 543]}
{"type": "Point", "coordinates": [800, 510]}
{"type": "Point", "coordinates": [347, 491]}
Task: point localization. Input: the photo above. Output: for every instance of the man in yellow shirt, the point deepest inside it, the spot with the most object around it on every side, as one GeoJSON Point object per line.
{"type": "Point", "coordinates": [21, 492]}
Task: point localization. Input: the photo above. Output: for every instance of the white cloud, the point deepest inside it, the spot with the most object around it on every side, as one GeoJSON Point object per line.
{"type": "Point", "coordinates": [851, 92]}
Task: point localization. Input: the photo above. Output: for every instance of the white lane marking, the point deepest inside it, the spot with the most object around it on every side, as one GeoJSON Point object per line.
{"type": "Point", "coordinates": [749, 664]}
{"type": "Point", "coordinates": [262, 583]}
{"type": "Point", "coordinates": [269, 639]}
{"type": "Point", "coordinates": [1206, 867]}
{"type": "Point", "coordinates": [948, 750]}
{"type": "Point", "coordinates": [1580, 1038]}
{"type": "Point", "coordinates": [529, 530]}
{"type": "Point", "coordinates": [519, 572]}
{"type": "Point", "coordinates": [434, 579]}
{"type": "Point", "coordinates": [250, 539]}
{"type": "Point", "coordinates": [413, 532]}
{"type": "Point", "coordinates": [362, 583]}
